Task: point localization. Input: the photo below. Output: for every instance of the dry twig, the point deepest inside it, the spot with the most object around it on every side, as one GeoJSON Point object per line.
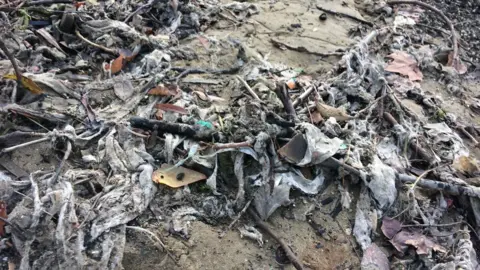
{"type": "Point", "coordinates": [5, 50]}
{"type": "Point", "coordinates": [291, 256]}
{"type": "Point", "coordinates": [151, 234]}
{"type": "Point", "coordinates": [249, 89]}
{"type": "Point", "coordinates": [112, 51]}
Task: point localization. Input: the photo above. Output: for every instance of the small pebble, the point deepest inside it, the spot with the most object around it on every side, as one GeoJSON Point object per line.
{"type": "Point", "coordinates": [323, 16]}
{"type": "Point", "coordinates": [318, 246]}
{"type": "Point", "coordinates": [296, 25]}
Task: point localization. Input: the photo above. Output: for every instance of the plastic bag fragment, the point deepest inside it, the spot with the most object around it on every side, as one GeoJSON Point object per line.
{"type": "Point", "coordinates": [445, 142]}
{"type": "Point", "coordinates": [295, 178]}
{"type": "Point", "coordinates": [294, 150]}
{"type": "Point", "coordinates": [382, 183]}
{"type": "Point", "coordinates": [319, 146]}
{"type": "Point", "coordinates": [363, 220]}
{"type": "Point", "coordinates": [181, 220]}
{"type": "Point", "coordinates": [268, 200]}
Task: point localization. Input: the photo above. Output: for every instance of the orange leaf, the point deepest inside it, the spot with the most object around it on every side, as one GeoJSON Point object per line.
{"type": "Point", "coordinates": [3, 214]}
{"type": "Point", "coordinates": [125, 56]}
{"type": "Point", "coordinates": [164, 90]}
{"type": "Point", "coordinates": [117, 64]}
{"type": "Point", "coordinates": [171, 108]}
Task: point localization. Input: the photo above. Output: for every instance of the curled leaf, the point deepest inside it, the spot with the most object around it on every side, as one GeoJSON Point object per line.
{"type": "Point", "coordinates": [3, 214]}
{"type": "Point", "coordinates": [164, 90]}
{"type": "Point", "coordinates": [390, 227]}
{"type": "Point", "coordinates": [422, 243]}
{"type": "Point", "coordinates": [171, 108]}
{"type": "Point", "coordinates": [124, 57]}
{"type": "Point", "coordinates": [117, 64]}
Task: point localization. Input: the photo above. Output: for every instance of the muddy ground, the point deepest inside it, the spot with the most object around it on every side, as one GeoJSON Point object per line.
{"type": "Point", "coordinates": [336, 249]}
{"type": "Point", "coordinates": [205, 250]}
{"type": "Point", "coordinates": [295, 23]}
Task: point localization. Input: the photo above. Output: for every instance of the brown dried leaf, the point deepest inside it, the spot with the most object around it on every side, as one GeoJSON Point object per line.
{"type": "Point", "coordinates": [124, 57]}
{"type": "Point", "coordinates": [164, 90]}
{"type": "Point", "coordinates": [403, 63]}
{"type": "Point", "coordinates": [328, 111]}
{"type": "Point", "coordinates": [3, 214]}
{"type": "Point", "coordinates": [117, 64]}
{"type": "Point", "coordinates": [390, 227]}
{"type": "Point", "coordinates": [423, 244]}
{"type": "Point", "coordinates": [171, 108]}
{"type": "Point", "coordinates": [176, 176]}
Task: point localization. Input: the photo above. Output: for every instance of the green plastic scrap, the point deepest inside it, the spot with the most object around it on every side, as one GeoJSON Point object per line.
{"type": "Point", "coordinates": [205, 124]}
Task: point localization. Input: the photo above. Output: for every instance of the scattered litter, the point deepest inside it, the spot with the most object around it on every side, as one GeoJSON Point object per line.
{"type": "Point", "coordinates": [145, 116]}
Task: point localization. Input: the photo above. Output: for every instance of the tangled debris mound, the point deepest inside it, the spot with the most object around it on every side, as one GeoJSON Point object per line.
{"type": "Point", "coordinates": [109, 89]}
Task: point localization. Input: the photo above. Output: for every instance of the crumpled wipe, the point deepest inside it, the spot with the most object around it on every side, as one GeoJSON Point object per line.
{"type": "Point", "coordinates": [382, 183]}
{"type": "Point", "coordinates": [446, 143]}
{"type": "Point", "coordinates": [319, 146]}
{"type": "Point", "coordinates": [364, 222]}
{"type": "Point", "coordinates": [181, 220]}
{"type": "Point", "coordinates": [268, 200]}
{"type": "Point", "coordinates": [295, 178]}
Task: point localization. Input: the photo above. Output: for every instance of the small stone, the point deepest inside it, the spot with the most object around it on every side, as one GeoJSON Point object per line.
{"type": "Point", "coordinates": [323, 16]}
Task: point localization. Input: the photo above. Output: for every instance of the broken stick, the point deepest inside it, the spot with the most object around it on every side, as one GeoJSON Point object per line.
{"type": "Point", "coordinates": [175, 128]}
{"type": "Point", "coordinates": [291, 256]}
{"type": "Point", "coordinates": [452, 189]}
{"type": "Point", "coordinates": [10, 57]}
